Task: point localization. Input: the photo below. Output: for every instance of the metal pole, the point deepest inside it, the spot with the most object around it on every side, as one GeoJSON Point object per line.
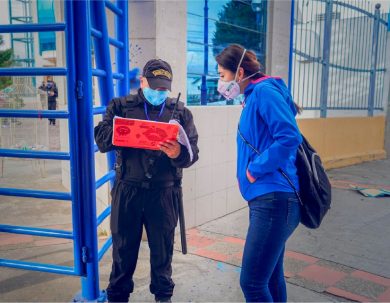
{"type": "Point", "coordinates": [203, 89]}
{"type": "Point", "coordinates": [290, 56]}
{"type": "Point", "coordinates": [325, 58]}
{"type": "Point", "coordinates": [103, 61]}
{"type": "Point", "coordinates": [374, 60]}
{"type": "Point", "coordinates": [122, 55]}
{"type": "Point", "coordinates": [73, 136]}
{"type": "Point", "coordinates": [86, 162]}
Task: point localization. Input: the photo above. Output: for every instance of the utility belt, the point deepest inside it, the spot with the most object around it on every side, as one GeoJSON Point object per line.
{"type": "Point", "coordinates": [153, 185]}
{"type": "Point", "coordinates": [145, 184]}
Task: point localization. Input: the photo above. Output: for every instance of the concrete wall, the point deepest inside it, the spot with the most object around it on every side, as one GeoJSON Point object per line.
{"type": "Point", "coordinates": [346, 141]}
{"type": "Point", "coordinates": [157, 30]}
{"type": "Point", "coordinates": [278, 37]}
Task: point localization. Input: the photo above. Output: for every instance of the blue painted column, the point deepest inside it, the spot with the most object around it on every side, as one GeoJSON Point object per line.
{"type": "Point", "coordinates": [326, 58]}
{"type": "Point", "coordinates": [86, 156]}
{"type": "Point", "coordinates": [290, 56]}
{"type": "Point", "coordinates": [374, 61]}
{"type": "Point", "coordinates": [122, 54]}
{"type": "Point", "coordinates": [203, 89]}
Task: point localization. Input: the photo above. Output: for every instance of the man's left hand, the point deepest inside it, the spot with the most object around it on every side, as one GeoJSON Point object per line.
{"type": "Point", "coordinates": [171, 148]}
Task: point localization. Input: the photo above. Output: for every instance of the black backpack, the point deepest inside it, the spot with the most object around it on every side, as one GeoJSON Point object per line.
{"type": "Point", "coordinates": [315, 189]}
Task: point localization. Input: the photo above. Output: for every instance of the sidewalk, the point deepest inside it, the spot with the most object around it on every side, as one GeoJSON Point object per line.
{"type": "Point", "coordinates": [347, 259]}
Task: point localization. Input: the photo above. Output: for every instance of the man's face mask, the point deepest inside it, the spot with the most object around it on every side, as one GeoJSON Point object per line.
{"type": "Point", "coordinates": [155, 97]}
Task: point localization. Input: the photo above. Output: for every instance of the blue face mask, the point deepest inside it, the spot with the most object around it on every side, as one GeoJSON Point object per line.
{"type": "Point", "coordinates": [155, 97]}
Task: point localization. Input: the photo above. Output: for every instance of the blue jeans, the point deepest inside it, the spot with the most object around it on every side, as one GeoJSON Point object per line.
{"type": "Point", "coordinates": [272, 219]}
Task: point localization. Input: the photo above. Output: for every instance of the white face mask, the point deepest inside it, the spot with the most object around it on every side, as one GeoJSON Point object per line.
{"type": "Point", "coordinates": [231, 89]}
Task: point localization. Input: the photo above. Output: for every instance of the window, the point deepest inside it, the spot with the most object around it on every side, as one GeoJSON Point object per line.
{"type": "Point", "coordinates": [212, 25]}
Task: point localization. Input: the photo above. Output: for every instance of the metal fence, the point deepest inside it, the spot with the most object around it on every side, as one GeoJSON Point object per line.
{"type": "Point", "coordinates": [338, 55]}
{"type": "Point", "coordinates": [85, 22]}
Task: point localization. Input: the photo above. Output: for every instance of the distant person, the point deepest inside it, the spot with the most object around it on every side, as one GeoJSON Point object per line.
{"type": "Point", "coordinates": [50, 87]}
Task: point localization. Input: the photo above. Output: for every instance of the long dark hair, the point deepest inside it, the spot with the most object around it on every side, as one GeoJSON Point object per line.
{"type": "Point", "coordinates": [229, 58]}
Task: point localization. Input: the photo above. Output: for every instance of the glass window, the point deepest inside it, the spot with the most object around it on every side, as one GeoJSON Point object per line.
{"type": "Point", "coordinates": [211, 26]}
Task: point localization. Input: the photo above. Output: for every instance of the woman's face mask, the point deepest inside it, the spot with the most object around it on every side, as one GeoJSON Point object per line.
{"type": "Point", "coordinates": [231, 89]}
{"type": "Point", "coordinates": [155, 97]}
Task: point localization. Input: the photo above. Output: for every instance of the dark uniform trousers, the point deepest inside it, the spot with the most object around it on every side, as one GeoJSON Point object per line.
{"type": "Point", "coordinates": [133, 207]}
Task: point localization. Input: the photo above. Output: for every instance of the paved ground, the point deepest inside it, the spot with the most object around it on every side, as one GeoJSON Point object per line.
{"type": "Point", "coordinates": [347, 259]}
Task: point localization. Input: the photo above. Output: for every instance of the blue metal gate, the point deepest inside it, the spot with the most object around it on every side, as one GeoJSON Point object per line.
{"type": "Point", "coordinates": [338, 55]}
{"type": "Point", "coordinates": [83, 20]}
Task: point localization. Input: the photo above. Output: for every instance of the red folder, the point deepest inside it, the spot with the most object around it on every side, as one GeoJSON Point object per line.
{"type": "Point", "coordinates": [142, 133]}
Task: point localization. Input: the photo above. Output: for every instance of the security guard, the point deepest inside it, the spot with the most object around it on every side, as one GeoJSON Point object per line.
{"type": "Point", "coordinates": [147, 189]}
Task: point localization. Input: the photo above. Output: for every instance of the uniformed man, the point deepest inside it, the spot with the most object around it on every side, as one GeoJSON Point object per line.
{"type": "Point", "coordinates": [147, 189]}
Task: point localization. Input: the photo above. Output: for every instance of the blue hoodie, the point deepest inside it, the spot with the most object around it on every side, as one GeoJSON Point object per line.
{"type": "Point", "coordinates": [268, 123]}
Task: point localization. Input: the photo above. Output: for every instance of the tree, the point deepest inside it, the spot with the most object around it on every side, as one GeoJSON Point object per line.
{"type": "Point", "coordinates": [241, 15]}
{"type": "Point", "coordinates": [5, 61]}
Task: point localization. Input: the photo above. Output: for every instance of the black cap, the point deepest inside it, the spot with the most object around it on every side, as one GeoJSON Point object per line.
{"type": "Point", "coordinates": [158, 73]}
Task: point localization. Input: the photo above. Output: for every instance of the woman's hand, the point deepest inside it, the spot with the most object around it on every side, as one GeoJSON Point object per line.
{"type": "Point", "coordinates": [171, 148]}
{"type": "Point", "coordinates": [249, 176]}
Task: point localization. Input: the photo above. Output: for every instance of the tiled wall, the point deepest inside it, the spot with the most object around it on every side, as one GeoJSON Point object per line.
{"type": "Point", "coordinates": [210, 187]}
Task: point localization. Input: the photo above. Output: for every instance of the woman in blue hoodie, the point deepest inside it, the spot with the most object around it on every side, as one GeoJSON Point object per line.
{"type": "Point", "coordinates": [267, 141]}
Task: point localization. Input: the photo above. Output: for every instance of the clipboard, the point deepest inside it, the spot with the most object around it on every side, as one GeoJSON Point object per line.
{"type": "Point", "coordinates": [142, 134]}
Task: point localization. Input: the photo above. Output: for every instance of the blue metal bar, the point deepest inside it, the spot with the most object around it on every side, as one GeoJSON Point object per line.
{"type": "Point", "coordinates": [300, 47]}
{"type": "Point", "coordinates": [113, 8]}
{"type": "Point", "coordinates": [27, 113]}
{"type": "Point", "coordinates": [365, 12]}
{"type": "Point", "coordinates": [100, 110]}
{"type": "Point", "coordinates": [325, 58]}
{"type": "Point", "coordinates": [103, 215]}
{"type": "Point", "coordinates": [105, 247]}
{"type": "Point", "coordinates": [73, 139]}
{"type": "Point", "coordinates": [122, 55]}
{"type": "Point", "coordinates": [118, 76]}
{"type": "Point", "coordinates": [54, 269]}
{"type": "Point", "coordinates": [203, 87]}
{"type": "Point", "coordinates": [98, 72]}
{"type": "Point", "coordinates": [33, 154]}
{"type": "Point", "coordinates": [32, 193]}
{"type": "Point", "coordinates": [98, 34]}
{"type": "Point", "coordinates": [95, 33]}
{"type": "Point", "coordinates": [374, 61]}
{"type": "Point", "coordinates": [103, 61]}
{"type": "Point", "coordinates": [345, 68]}
{"type": "Point", "coordinates": [363, 53]}
{"type": "Point", "coordinates": [356, 49]}
{"type": "Point", "coordinates": [86, 163]}
{"type": "Point", "coordinates": [33, 71]}
{"type": "Point", "coordinates": [35, 231]}
{"type": "Point", "coordinates": [306, 79]}
{"type": "Point", "coordinates": [115, 42]}
{"type": "Point", "coordinates": [107, 177]}
{"type": "Point", "coordinates": [349, 40]}
{"type": "Point", "coordinates": [290, 55]}
{"type": "Point", "coordinates": [101, 73]}
{"type": "Point", "coordinates": [27, 28]}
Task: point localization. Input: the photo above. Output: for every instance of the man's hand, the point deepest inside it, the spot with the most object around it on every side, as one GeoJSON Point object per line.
{"type": "Point", "coordinates": [171, 148]}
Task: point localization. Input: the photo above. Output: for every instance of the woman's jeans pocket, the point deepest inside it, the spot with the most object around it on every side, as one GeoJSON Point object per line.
{"type": "Point", "coordinates": [293, 213]}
